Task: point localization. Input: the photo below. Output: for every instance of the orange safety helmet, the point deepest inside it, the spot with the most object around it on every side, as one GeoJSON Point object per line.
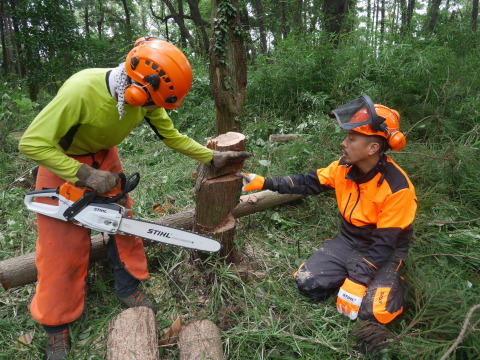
{"type": "Point", "coordinates": [160, 73]}
{"type": "Point", "coordinates": [362, 116]}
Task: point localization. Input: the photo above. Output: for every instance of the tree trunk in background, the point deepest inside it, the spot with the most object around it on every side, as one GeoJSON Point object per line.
{"type": "Point", "coordinates": [86, 21]}
{"type": "Point", "coordinates": [335, 19]}
{"type": "Point", "coordinates": [228, 65]}
{"type": "Point", "coordinates": [5, 57]}
{"type": "Point", "coordinates": [432, 16]}
{"type": "Point", "coordinates": [260, 18]}
{"type": "Point", "coordinates": [283, 19]}
{"type": "Point", "coordinates": [100, 20]}
{"type": "Point", "coordinates": [128, 26]}
{"type": "Point", "coordinates": [382, 22]}
{"type": "Point", "coordinates": [297, 23]}
{"type": "Point", "coordinates": [201, 25]}
{"type": "Point", "coordinates": [179, 20]}
{"type": "Point", "coordinates": [16, 35]}
{"type": "Point", "coordinates": [475, 15]}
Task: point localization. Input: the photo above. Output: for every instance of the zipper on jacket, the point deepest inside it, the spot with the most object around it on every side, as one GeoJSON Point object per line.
{"type": "Point", "coordinates": [356, 202]}
{"type": "Point", "coordinates": [346, 205]}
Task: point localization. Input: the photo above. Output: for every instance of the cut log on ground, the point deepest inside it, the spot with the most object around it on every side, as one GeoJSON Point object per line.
{"type": "Point", "coordinates": [133, 335]}
{"type": "Point", "coordinates": [21, 270]}
{"type": "Point", "coordinates": [283, 138]}
{"type": "Point", "coordinates": [217, 193]}
{"type": "Point", "coordinates": [200, 340]}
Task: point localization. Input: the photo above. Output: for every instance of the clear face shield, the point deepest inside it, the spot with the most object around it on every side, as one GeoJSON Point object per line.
{"type": "Point", "coordinates": [357, 113]}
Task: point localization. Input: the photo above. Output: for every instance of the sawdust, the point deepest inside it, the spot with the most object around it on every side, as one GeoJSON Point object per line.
{"type": "Point", "coordinates": [303, 276]}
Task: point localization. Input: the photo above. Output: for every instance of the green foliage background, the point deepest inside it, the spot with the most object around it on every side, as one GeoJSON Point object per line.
{"type": "Point", "coordinates": [432, 82]}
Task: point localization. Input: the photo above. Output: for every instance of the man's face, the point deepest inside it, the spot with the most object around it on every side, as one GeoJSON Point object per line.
{"type": "Point", "coordinates": [356, 148]}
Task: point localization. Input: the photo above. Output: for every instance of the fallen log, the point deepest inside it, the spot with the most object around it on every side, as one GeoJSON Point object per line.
{"type": "Point", "coordinates": [21, 270]}
{"type": "Point", "coordinates": [200, 339]}
{"type": "Point", "coordinates": [132, 334]}
{"type": "Point", "coordinates": [283, 138]}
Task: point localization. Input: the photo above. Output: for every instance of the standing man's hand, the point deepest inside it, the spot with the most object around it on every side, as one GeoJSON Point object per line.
{"type": "Point", "coordinates": [221, 158]}
{"type": "Point", "coordinates": [350, 298]}
{"type": "Point", "coordinates": [100, 180]}
{"type": "Point", "coordinates": [252, 181]}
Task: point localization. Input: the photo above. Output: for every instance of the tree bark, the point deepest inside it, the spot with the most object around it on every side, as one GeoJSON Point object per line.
{"type": "Point", "coordinates": [474, 15]}
{"type": "Point", "coordinates": [260, 18]}
{"type": "Point", "coordinates": [86, 20]}
{"type": "Point", "coordinates": [336, 20]}
{"type": "Point", "coordinates": [179, 19]}
{"type": "Point", "coordinates": [217, 193]}
{"type": "Point", "coordinates": [21, 270]}
{"type": "Point", "coordinates": [432, 16]}
{"type": "Point", "coordinates": [200, 339]}
{"type": "Point", "coordinates": [228, 65]}
{"type": "Point", "coordinates": [132, 335]}
{"type": "Point", "coordinates": [201, 25]}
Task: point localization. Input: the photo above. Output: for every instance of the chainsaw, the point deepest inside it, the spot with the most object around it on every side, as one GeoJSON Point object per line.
{"type": "Point", "coordinates": [102, 213]}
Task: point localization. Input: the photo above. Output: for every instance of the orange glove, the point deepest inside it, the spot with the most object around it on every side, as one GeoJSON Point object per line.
{"type": "Point", "coordinates": [252, 181]}
{"type": "Point", "coordinates": [350, 298]}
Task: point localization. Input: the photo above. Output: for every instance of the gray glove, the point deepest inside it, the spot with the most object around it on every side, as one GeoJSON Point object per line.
{"type": "Point", "coordinates": [221, 158]}
{"type": "Point", "coordinates": [100, 180]}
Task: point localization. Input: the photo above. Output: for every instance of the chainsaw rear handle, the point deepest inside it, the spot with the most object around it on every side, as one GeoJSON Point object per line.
{"type": "Point", "coordinates": [127, 185]}
{"type": "Point", "coordinates": [65, 212]}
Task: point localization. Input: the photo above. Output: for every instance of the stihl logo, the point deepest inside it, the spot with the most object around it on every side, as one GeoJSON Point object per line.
{"type": "Point", "coordinates": [380, 298]}
{"type": "Point", "coordinates": [158, 233]}
{"type": "Point", "coordinates": [351, 299]}
{"type": "Point", "coordinates": [100, 210]}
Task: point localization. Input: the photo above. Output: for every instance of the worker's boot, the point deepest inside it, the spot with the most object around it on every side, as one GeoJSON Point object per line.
{"type": "Point", "coordinates": [138, 298]}
{"type": "Point", "coordinates": [58, 345]}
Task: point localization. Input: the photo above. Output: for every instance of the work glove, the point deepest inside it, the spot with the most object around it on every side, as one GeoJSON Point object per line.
{"type": "Point", "coordinates": [221, 158]}
{"type": "Point", "coordinates": [252, 181]}
{"type": "Point", "coordinates": [100, 180]}
{"type": "Point", "coordinates": [350, 298]}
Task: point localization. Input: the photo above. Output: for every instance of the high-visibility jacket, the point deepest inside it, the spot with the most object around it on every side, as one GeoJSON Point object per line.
{"type": "Point", "coordinates": [83, 119]}
{"type": "Point", "coordinates": [376, 209]}
{"type": "Point", "coordinates": [81, 125]}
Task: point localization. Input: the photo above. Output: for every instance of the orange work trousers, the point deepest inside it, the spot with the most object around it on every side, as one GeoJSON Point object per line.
{"type": "Point", "coordinates": [63, 252]}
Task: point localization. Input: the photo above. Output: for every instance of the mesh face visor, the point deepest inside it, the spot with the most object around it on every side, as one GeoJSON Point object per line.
{"type": "Point", "coordinates": [357, 113]}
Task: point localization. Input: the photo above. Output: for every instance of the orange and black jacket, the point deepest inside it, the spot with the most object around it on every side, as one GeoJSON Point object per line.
{"type": "Point", "coordinates": [376, 209]}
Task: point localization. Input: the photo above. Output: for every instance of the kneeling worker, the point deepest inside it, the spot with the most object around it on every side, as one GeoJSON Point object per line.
{"type": "Point", "coordinates": [377, 205]}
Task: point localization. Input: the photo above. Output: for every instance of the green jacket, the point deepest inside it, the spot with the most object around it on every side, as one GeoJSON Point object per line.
{"type": "Point", "coordinates": [83, 119]}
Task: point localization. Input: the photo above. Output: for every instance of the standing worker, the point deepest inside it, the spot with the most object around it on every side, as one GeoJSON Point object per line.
{"type": "Point", "coordinates": [73, 139]}
{"type": "Point", "coordinates": [377, 205]}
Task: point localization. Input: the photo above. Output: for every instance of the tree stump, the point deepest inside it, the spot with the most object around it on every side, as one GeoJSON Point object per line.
{"type": "Point", "coordinates": [200, 340]}
{"type": "Point", "coordinates": [217, 194]}
{"type": "Point", "coordinates": [132, 335]}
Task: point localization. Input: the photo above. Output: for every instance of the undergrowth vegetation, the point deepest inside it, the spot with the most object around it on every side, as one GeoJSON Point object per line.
{"type": "Point", "coordinates": [256, 304]}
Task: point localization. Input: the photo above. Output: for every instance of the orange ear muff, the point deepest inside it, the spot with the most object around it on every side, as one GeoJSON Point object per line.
{"type": "Point", "coordinates": [397, 140]}
{"type": "Point", "coordinates": [136, 95]}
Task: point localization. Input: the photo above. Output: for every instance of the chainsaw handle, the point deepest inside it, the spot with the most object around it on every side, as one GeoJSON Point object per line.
{"type": "Point", "coordinates": [127, 185]}
{"type": "Point", "coordinates": [44, 209]}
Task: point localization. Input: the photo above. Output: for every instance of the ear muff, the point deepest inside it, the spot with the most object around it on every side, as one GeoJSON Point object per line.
{"type": "Point", "coordinates": [136, 95]}
{"type": "Point", "coordinates": [397, 140]}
